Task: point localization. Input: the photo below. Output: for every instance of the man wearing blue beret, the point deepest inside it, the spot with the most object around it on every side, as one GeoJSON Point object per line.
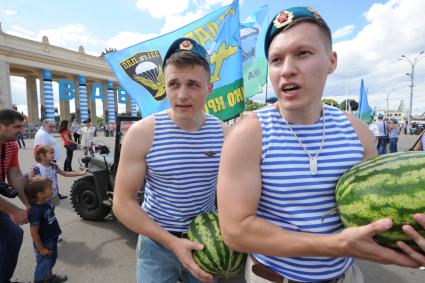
{"type": "Point", "coordinates": [177, 152]}
{"type": "Point", "coordinates": [280, 165]}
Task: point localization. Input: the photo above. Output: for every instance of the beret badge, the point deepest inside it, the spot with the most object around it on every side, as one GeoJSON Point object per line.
{"type": "Point", "coordinates": [282, 19]}
{"type": "Point", "coordinates": [186, 45]}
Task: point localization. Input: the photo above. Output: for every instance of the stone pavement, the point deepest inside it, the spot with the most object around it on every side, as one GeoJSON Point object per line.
{"type": "Point", "coordinates": [96, 252]}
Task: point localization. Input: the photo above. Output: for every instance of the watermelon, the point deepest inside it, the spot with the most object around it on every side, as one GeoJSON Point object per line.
{"type": "Point", "coordinates": [216, 258]}
{"type": "Point", "coordinates": [390, 185]}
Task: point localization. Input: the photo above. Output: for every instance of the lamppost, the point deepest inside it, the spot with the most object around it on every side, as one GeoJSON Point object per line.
{"type": "Point", "coordinates": [412, 77]}
{"type": "Point", "coordinates": [387, 92]}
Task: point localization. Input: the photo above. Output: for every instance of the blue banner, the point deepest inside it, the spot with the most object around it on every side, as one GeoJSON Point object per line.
{"type": "Point", "coordinates": [364, 111]}
{"type": "Point", "coordinates": [253, 31]}
{"type": "Point", "coordinates": [139, 68]}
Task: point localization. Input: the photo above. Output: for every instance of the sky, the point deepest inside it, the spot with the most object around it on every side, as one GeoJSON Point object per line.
{"type": "Point", "coordinates": [369, 37]}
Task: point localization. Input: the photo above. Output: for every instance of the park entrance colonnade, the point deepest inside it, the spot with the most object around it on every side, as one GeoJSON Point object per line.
{"type": "Point", "coordinates": [83, 77]}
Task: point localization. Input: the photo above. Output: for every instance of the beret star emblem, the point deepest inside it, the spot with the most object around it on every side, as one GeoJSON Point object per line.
{"type": "Point", "coordinates": [283, 19]}
{"type": "Point", "coordinates": [186, 45]}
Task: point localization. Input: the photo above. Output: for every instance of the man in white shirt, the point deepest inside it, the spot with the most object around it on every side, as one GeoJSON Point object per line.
{"type": "Point", "coordinates": [75, 130]}
{"type": "Point", "coordinates": [44, 136]}
{"type": "Point", "coordinates": [87, 134]}
{"type": "Point", "coordinates": [380, 131]}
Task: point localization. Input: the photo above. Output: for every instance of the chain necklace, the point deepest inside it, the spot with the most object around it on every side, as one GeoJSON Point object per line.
{"type": "Point", "coordinates": [312, 159]}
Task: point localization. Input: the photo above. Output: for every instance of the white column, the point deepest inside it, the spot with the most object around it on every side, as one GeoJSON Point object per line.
{"type": "Point", "coordinates": [5, 89]}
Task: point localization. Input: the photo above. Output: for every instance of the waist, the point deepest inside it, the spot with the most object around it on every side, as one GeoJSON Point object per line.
{"type": "Point", "coordinates": [267, 273]}
{"type": "Point", "coordinates": [179, 234]}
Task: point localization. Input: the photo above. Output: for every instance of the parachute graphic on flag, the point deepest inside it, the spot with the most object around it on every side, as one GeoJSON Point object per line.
{"type": "Point", "coordinates": [139, 68]}
{"type": "Point", "coordinates": [253, 31]}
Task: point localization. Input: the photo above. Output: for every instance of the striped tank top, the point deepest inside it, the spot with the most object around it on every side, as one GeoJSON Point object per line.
{"type": "Point", "coordinates": [182, 172]}
{"type": "Point", "coordinates": [295, 200]}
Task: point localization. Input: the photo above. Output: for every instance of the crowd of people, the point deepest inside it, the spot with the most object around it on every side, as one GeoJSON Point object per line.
{"type": "Point", "coordinates": [38, 190]}
{"type": "Point", "coordinates": [386, 132]}
{"type": "Point", "coordinates": [272, 175]}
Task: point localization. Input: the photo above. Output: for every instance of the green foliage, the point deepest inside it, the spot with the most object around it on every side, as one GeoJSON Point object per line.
{"type": "Point", "coordinates": [331, 102]}
{"type": "Point", "coordinates": [351, 103]}
{"type": "Point", "coordinates": [251, 105]}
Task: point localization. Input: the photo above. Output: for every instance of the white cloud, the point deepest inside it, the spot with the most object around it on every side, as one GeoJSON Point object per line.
{"type": "Point", "coordinates": [176, 13]}
{"type": "Point", "coordinates": [22, 32]}
{"type": "Point", "coordinates": [127, 38]}
{"type": "Point", "coordinates": [163, 8]}
{"type": "Point", "coordinates": [342, 32]}
{"type": "Point", "coordinates": [9, 12]}
{"type": "Point", "coordinates": [70, 36]}
{"type": "Point", "coordinates": [174, 22]}
{"type": "Point", "coordinates": [393, 28]}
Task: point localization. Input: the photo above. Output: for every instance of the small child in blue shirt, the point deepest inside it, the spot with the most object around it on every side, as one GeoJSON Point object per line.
{"type": "Point", "coordinates": [45, 230]}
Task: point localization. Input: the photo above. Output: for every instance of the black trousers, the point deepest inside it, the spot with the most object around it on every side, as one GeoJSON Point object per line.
{"type": "Point", "coordinates": [67, 165]}
{"type": "Point", "coordinates": [77, 138]}
{"type": "Point", "coordinates": [11, 236]}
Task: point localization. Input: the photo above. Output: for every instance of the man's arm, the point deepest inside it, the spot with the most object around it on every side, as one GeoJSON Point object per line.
{"type": "Point", "coordinates": [130, 176]}
{"type": "Point", "coordinates": [37, 240]}
{"type": "Point", "coordinates": [239, 191]}
{"type": "Point", "coordinates": [17, 215]}
{"type": "Point", "coordinates": [17, 181]}
{"type": "Point", "coordinates": [366, 137]}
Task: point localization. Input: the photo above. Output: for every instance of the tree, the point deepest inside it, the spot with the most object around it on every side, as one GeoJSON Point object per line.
{"type": "Point", "coordinates": [331, 102]}
{"type": "Point", "coordinates": [251, 105]}
{"type": "Point", "coordinates": [351, 103]}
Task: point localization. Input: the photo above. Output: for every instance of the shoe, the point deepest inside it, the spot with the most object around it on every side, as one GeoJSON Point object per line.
{"type": "Point", "coordinates": [58, 278]}
{"type": "Point", "coordinates": [62, 196]}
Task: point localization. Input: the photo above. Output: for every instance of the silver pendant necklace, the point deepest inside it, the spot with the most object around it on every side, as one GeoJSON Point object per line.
{"type": "Point", "coordinates": [312, 159]}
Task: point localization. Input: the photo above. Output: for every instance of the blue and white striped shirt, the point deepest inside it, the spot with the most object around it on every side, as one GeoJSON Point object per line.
{"type": "Point", "coordinates": [182, 172]}
{"type": "Point", "coordinates": [294, 199]}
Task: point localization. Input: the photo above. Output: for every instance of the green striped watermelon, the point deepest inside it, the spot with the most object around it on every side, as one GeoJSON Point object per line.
{"type": "Point", "coordinates": [216, 258]}
{"type": "Point", "coordinates": [390, 185]}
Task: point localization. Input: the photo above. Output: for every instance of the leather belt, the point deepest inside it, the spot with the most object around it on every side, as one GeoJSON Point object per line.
{"type": "Point", "coordinates": [265, 272]}
{"type": "Point", "coordinates": [179, 234]}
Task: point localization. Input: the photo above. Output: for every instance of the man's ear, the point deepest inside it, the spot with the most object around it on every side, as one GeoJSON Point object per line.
{"type": "Point", "coordinates": [334, 61]}
{"type": "Point", "coordinates": [210, 88]}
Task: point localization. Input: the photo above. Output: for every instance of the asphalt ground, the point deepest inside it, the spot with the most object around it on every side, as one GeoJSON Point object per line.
{"type": "Point", "coordinates": [96, 252]}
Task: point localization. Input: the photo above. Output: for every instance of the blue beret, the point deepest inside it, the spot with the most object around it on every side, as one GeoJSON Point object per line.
{"type": "Point", "coordinates": [186, 45]}
{"type": "Point", "coordinates": [380, 116]}
{"type": "Point", "coordinates": [286, 18]}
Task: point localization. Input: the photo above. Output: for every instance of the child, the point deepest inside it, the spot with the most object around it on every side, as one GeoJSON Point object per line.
{"type": "Point", "coordinates": [45, 230]}
{"type": "Point", "coordinates": [47, 168]}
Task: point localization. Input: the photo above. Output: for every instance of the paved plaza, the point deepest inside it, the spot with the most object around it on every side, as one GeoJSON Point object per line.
{"type": "Point", "coordinates": [96, 252]}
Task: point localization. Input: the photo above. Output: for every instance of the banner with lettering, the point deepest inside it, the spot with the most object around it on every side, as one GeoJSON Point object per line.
{"type": "Point", "coordinates": [139, 68]}
{"type": "Point", "coordinates": [253, 31]}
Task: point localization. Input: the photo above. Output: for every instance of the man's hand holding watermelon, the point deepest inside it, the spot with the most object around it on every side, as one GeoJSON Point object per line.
{"type": "Point", "coordinates": [415, 236]}
{"type": "Point", "coordinates": [182, 248]}
{"type": "Point", "coordinates": [358, 242]}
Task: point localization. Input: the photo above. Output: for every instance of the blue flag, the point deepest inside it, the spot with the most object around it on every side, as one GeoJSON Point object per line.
{"type": "Point", "coordinates": [363, 112]}
{"type": "Point", "coordinates": [253, 31]}
{"type": "Point", "coordinates": [139, 68]}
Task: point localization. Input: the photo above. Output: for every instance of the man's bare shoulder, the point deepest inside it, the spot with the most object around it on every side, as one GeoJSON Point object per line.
{"type": "Point", "coordinates": [140, 135]}
{"type": "Point", "coordinates": [365, 136]}
{"type": "Point", "coordinates": [248, 129]}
